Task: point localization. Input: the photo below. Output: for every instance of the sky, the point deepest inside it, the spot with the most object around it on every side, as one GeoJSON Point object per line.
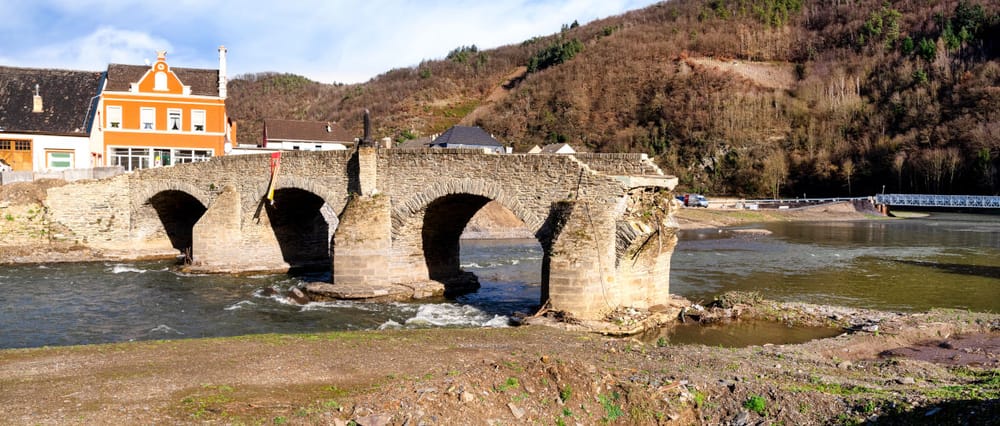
{"type": "Point", "coordinates": [327, 41]}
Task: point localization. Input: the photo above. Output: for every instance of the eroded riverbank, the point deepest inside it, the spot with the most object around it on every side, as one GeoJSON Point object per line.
{"type": "Point", "coordinates": [522, 375]}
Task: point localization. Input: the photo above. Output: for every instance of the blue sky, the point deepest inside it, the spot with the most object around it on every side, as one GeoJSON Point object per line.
{"type": "Point", "coordinates": [327, 41]}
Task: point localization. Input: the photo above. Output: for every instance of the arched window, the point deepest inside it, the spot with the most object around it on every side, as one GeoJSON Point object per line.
{"type": "Point", "coordinates": [160, 81]}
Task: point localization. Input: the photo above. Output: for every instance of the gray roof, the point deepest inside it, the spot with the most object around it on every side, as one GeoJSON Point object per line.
{"type": "Point", "coordinates": [466, 135]}
{"type": "Point", "coordinates": [202, 82]}
{"type": "Point", "coordinates": [555, 147]}
{"type": "Point", "coordinates": [67, 98]}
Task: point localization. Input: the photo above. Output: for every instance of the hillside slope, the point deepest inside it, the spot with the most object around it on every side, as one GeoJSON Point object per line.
{"type": "Point", "coordinates": [740, 97]}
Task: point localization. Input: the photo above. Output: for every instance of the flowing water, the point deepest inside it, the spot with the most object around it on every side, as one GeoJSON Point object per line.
{"type": "Point", "coordinates": [946, 260]}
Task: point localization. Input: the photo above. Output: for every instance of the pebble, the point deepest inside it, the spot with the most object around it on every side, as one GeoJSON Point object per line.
{"type": "Point", "coordinates": [374, 420]}
{"type": "Point", "coordinates": [517, 412]}
{"type": "Point", "coordinates": [906, 381]}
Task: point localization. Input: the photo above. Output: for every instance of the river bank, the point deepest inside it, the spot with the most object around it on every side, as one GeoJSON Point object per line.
{"type": "Point", "coordinates": [700, 218]}
{"type": "Point", "coordinates": [925, 368]}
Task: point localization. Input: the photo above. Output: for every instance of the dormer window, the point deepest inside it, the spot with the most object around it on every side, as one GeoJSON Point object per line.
{"type": "Point", "coordinates": [147, 118]}
{"type": "Point", "coordinates": [174, 120]}
{"type": "Point", "coordinates": [114, 117]}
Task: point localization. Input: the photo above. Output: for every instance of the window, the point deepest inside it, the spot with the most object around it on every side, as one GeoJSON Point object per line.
{"type": "Point", "coordinates": [160, 81]}
{"type": "Point", "coordinates": [191, 155]}
{"type": "Point", "coordinates": [130, 158]}
{"type": "Point", "coordinates": [147, 116]}
{"type": "Point", "coordinates": [22, 145]}
{"type": "Point", "coordinates": [198, 120]}
{"type": "Point", "coordinates": [59, 159]}
{"type": "Point", "coordinates": [174, 120]}
{"type": "Point", "coordinates": [161, 157]}
{"type": "Point", "coordinates": [114, 117]}
{"type": "Point", "coordinates": [5, 144]}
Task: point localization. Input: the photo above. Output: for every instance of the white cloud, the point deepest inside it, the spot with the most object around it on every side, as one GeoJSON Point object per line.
{"type": "Point", "coordinates": [343, 41]}
{"type": "Point", "coordinates": [96, 50]}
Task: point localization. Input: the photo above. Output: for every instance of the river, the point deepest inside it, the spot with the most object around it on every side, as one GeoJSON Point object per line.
{"type": "Point", "coordinates": [945, 260]}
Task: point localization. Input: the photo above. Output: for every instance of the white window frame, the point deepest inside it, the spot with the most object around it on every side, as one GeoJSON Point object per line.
{"type": "Point", "coordinates": [147, 118]}
{"type": "Point", "coordinates": [171, 112]}
{"type": "Point", "coordinates": [182, 156]}
{"type": "Point", "coordinates": [114, 116]}
{"type": "Point", "coordinates": [130, 158]}
{"type": "Point", "coordinates": [198, 119]}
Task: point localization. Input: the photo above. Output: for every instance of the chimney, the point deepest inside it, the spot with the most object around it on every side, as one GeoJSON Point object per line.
{"type": "Point", "coordinates": [37, 101]}
{"type": "Point", "coordinates": [222, 72]}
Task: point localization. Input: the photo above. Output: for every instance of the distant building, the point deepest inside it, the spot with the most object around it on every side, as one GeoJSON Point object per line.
{"type": "Point", "coordinates": [45, 118]}
{"type": "Point", "coordinates": [557, 148]}
{"type": "Point", "coordinates": [158, 115]}
{"type": "Point", "coordinates": [305, 135]}
{"type": "Point", "coordinates": [534, 150]}
{"type": "Point", "coordinates": [469, 137]}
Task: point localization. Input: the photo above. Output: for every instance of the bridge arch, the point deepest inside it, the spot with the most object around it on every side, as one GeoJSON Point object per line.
{"type": "Point", "coordinates": [165, 214]}
{"type": "Point", "coordinates": [303, 221]}
{"type": "Point", "coordinates": [427, 226]}
{"type": "Point", "coordinates": [417, 203]}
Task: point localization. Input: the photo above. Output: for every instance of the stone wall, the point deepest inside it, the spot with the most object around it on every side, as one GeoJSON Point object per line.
{"type": "Point", "coordinates": [620, 163]}
{"type": "Point", "coordinates": [94, 213]}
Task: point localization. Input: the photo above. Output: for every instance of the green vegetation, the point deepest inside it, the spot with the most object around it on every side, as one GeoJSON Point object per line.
{"type": "Point", "coordinates": [756, 403]}
{"type": "Point", "coordinates": [509, 384]}
{"type": "Point", "coordinates": [612, 410]}
{"type": "Point", "coordinates": [555, 54]}
{"type": "Point", "coordinates": [566, 393]}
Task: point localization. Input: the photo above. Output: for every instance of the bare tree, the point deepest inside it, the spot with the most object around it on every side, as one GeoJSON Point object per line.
{"type": "Point", "coordinates": [847, 167]}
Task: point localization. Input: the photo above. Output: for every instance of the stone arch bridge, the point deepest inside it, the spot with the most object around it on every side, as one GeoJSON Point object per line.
{"type": "Point", "coordinates": [392, 217]}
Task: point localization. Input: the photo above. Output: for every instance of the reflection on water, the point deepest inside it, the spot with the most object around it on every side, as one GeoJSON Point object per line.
{"type": "Point", "coordinates": [737, 334]}
{"type": "Point", "coordinates": [944, 260]}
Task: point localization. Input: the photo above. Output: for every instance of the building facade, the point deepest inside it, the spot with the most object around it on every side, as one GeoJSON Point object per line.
{"type": "Point", "coordinates": [157, 115]}
{"type": "Point", "coordinates": [295, 135]}
{"type": "Point", "coordinates": [45, 118]}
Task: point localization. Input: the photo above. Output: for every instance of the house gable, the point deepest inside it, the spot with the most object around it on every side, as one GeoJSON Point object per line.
{"type": "Point", "coordinates": [160, 79]}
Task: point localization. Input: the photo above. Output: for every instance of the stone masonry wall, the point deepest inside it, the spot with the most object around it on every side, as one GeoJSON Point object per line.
{"type": "Point", "coordinates": [93, 213]}
{"type": "Point", "coordinates": [620, 163]}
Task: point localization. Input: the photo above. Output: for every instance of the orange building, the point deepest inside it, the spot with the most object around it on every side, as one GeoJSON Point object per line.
{"type": "Point", "coordinates": [151, 116]}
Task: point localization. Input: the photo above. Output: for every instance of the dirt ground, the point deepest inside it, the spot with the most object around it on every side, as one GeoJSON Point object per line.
{"type": "Point", "coordinates": [695, 218]}
{"type": "Point", "coordinates": [523, 375]}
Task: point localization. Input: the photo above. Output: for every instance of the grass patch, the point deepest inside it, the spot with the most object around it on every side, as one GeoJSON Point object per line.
{"type": "Point", "coordinates": [507, 385]}
{"type": "Point", "coordinates": [612, 411]}
{"type": "Point", "coordinates": [756, 403]}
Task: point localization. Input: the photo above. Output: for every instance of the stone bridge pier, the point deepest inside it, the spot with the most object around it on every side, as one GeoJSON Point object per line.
{"type": "Point", "coordinates": [388, 222]}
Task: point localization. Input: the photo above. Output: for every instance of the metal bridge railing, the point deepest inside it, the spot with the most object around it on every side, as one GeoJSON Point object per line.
{"type": "Point", "coordinates": [928, 200]}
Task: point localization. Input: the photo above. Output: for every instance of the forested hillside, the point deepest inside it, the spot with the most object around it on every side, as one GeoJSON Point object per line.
{"type": "Point", "coordinates": [738, 97]}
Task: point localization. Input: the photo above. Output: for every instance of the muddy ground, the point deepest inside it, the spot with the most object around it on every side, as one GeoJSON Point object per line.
{"type": "Point", "coordinates": [525, 375]}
